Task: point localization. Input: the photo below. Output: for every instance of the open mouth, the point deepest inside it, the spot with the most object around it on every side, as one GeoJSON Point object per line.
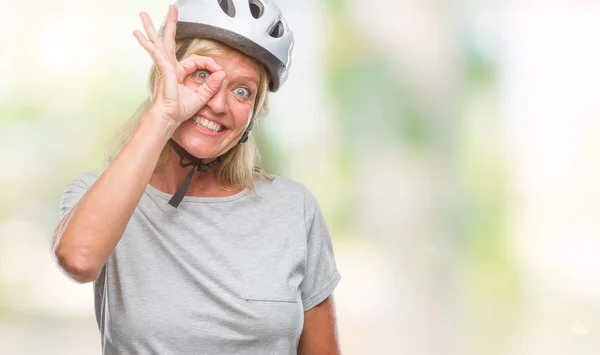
{"type": "Point", "coordinates": [207, 125]}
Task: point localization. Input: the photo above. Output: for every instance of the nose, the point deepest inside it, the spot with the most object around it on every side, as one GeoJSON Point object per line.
{"type": "Point", "coordinates": [218, 102]}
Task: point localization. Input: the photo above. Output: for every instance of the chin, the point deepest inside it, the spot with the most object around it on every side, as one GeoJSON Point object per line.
{"type": "Point", "coordinates": [198, 147]}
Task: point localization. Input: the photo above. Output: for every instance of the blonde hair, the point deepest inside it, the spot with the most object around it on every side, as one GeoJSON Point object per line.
{"type": "Point", "coordinates": [238, 167]}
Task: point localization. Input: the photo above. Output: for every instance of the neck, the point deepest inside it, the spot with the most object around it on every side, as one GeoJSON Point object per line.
{"type": "Point", "coordinates": [169, 178]}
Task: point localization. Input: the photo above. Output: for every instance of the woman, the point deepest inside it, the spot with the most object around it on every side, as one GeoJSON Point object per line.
{"type": "Point", "coordinates": [191, 248]}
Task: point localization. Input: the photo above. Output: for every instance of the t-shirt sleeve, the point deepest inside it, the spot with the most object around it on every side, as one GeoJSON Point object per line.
{"type": "Point", "coordinates": [75, 189]}
{"type": "Point", "coordinates": [321, 273]}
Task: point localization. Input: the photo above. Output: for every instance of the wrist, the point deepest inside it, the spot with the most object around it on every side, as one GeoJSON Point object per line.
{"type": "Point", "coordinates": [159, 125]}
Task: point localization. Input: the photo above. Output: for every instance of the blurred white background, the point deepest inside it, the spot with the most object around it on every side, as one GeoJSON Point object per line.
{"type": "Point", "coordinates": [451, 145]}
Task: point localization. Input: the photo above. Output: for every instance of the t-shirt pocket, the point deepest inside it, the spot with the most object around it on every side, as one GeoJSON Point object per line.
{"type": "Point", "coordinates": [267, 264]}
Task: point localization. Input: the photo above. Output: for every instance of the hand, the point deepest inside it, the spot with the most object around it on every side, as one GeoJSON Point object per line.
{"type": "Point", "coordinates": [172, 100]}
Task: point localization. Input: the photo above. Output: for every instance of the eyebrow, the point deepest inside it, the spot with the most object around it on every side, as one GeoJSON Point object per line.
{"type": "Point", "coordinates": [247, 78]}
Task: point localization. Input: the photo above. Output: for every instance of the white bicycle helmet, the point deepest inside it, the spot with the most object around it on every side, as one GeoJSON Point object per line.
{"type": "Point", "coordinates": [256, 28]}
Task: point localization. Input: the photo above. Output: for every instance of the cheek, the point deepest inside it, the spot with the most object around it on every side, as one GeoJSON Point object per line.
{"type": "Point", "coordinates": [242, 114]}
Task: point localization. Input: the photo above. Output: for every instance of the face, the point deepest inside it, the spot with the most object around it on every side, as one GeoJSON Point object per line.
{"type": "Point", "coordinates": [221, 122]}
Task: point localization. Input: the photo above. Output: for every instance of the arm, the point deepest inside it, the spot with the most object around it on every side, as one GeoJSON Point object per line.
{"type": "Point", "coordinates": [88, 233]}
{"type": "Point", "coordinates": [319, 335]}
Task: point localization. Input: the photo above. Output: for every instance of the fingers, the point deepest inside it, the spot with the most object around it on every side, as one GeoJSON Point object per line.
{"type": "Point", "coordinates": [149, 28]}
{"type": "Point", "coordinates": [169, 32]}
{"type": "Point", "coordinates": [144, 42]}
{"type": "Point", "coordinates": [154, 44]}
{"type": "Point", "coordinates": [194, 61]}
{"type": "Point", "coordinates": [202, 94]}
{"type": "Point", "coordinates": [215, 79]}
{"type": "Point", "coordinates": [211, 85]}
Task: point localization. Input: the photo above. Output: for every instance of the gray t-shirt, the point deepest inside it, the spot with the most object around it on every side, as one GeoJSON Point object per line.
{"type": "Point", "coordinates": [217, 275]}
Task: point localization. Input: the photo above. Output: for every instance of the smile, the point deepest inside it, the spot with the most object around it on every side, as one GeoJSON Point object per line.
{"type": "Point", "coordinates": [206, 124]}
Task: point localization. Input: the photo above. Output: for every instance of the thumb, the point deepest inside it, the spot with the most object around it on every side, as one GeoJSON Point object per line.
{"type": "Point", "coordinates": [211, 85]}
{"type": "Point", "coordinates": [190, 64]}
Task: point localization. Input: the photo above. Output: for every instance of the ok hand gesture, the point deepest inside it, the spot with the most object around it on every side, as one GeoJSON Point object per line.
{"type": "Point", "coordinates": [172, 99]}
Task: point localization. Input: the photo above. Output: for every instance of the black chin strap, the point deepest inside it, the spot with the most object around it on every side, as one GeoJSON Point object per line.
{"type": "Point", "coordinates": [198, 164]}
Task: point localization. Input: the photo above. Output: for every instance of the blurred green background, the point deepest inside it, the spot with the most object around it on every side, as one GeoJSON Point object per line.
{"type": "Point", "coordinates": [452, 146]}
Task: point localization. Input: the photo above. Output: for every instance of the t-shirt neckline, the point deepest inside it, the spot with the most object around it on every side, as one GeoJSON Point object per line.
{"type": "Point", "coordinates": [198, 199]}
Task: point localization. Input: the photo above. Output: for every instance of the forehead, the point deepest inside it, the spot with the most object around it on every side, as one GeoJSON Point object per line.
{"type": "Point", "coordinates": [237, 64]}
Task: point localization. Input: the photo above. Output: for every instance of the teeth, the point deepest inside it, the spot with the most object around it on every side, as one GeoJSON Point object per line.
{"type": "Point", "coordinates": [204, 123]}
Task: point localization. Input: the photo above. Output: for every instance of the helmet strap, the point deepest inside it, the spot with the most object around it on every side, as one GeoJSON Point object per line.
{"type": "Point", "coordinates": [197, 164]}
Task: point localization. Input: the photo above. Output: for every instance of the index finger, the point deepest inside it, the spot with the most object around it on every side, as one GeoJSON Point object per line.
{"type": "Point", "coordinates": [194, 61]}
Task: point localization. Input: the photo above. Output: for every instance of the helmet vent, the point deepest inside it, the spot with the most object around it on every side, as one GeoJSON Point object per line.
{"type": "Point", "coordinates": [227, 7]}
{"type": "Point", "coordinates": [256, 8]}
{"type": "Point", "coordinates": [277, 30]}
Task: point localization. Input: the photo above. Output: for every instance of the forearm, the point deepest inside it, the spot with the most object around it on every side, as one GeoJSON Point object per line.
{"type": "Point", "coordinates": [87, 235]}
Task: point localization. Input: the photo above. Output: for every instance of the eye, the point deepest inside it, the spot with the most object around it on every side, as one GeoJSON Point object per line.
{"type": "Point", "coordinates": [243, 92]}
{"type": "Point", "coordinates": [201, 74]}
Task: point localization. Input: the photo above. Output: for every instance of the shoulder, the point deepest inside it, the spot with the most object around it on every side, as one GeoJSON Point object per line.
{"type": "Point", "coordinates": [90, 177]}
{"type": "Point", "coordinates": [279, 186]}
{"type": "Point", "coordinates": [285, 188]}
{"type": "Point", "coordinates": [75, 189]}
{"type": "Point", "coordinates": [86, 179]}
